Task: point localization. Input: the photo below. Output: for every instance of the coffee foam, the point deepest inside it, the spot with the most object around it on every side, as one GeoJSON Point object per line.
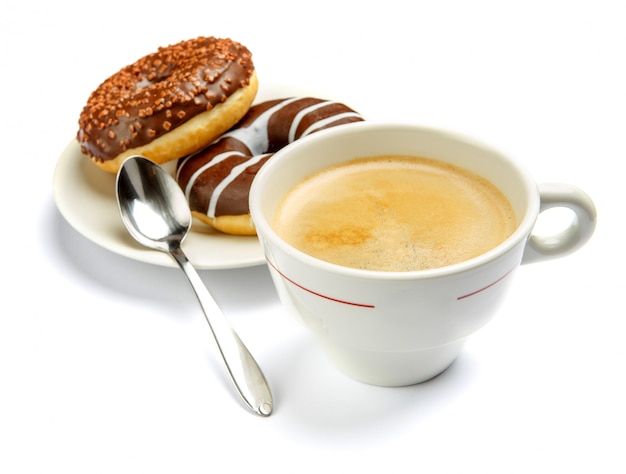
{"type": "Point", "coordinates": [394, 213]}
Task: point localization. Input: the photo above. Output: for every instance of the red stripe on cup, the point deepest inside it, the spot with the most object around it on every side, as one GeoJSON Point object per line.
{"type": "Point", "coordinates": [351, 303]}
{"type": "Point", "coordinates": [486, 287]}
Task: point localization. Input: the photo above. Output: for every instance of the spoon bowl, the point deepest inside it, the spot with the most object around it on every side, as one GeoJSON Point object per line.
{"type": "Point", "coordinates": [156, 214]}
{"type": "Point", "coordinates": [152, 205]}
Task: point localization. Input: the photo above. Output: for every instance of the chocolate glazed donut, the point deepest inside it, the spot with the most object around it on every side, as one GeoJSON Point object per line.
{"type": "Point", "coordinates": [168, 104]}
{"type": "Point", "coordinates": [217, 179]}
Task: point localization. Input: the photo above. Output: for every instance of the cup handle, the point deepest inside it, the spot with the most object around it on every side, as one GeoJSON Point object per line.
{"type": "Point", "coordinates": [546, 247]}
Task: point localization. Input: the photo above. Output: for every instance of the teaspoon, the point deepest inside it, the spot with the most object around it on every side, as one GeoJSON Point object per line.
{"type": "Point", "coordinates": [156, 213]}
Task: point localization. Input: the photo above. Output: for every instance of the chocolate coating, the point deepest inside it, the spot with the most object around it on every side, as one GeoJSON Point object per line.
{"type": "Point", "coordinates": [159, 92]}
{"type": "Point", "coordinates": [217, 179]}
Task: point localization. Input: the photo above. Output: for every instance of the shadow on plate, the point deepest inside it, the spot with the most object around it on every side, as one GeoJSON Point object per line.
{"type": "Point", "coordinates": [321, 404]}
{"type": "Point", "coordinates": [136, 279]}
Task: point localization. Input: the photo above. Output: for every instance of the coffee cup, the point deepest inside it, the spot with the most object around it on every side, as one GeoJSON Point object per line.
{"type": "Point", "coordinates": [401, 327]}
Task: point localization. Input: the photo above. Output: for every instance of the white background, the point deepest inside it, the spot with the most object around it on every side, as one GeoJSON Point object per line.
{"type": "Point", "coordinates": [106, 364]}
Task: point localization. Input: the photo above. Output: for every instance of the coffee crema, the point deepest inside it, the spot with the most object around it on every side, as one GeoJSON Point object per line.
{"type": "Point", "coordinates": [394, 213]}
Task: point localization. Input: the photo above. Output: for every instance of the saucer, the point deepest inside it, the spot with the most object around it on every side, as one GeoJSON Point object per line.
{"type": "Point", "coordinates": [85, 196]}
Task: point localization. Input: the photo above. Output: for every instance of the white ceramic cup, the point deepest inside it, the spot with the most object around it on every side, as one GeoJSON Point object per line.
{"type": "Point", "coordinates": [401, 328]}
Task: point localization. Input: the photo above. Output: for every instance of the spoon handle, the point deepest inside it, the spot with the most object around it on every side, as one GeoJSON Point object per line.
{"type": "Point", "coordinates": [242, 368]}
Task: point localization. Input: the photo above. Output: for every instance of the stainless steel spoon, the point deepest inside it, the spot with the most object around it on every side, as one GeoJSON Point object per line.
{"type": "Point", "coordinates": [156, 213]}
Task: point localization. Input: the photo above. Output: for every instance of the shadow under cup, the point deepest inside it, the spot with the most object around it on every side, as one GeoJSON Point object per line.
{"type": "Point", "coordinates": [392, 328]}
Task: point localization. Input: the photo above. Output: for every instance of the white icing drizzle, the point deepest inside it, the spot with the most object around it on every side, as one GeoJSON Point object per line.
{"type": "Point", "coordinates": [214, 161]}
{"type": "Point", "coordinates": [256, 138]}
{"type": "Point", "coordinates": [181, 165]}
{"type": "Point", "coordinates": [234, 173]}
{"type": "Point", "coordinates": [300, 115]}
{"type": "Point", "coordinates": [327, 121]}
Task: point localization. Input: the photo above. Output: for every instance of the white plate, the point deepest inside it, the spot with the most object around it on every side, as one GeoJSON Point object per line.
{"type": "Point", "coordinates": [85, 196]}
